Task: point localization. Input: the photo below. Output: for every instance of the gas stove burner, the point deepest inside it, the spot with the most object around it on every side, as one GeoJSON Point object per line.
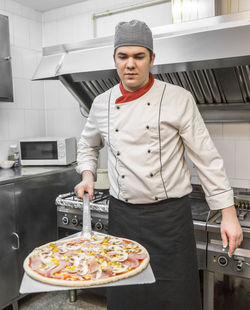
{"type": "Point", "coordinates": [100, 201]}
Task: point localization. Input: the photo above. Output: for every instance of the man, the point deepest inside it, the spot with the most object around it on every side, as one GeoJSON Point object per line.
{"type": "Point", "coordinates": [147, 124]}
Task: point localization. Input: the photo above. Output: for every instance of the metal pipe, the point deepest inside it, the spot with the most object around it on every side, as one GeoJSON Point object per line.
{"type": "Point", "coordinates": [72, 296]}
{"type": "Point", "coordinates": [124, 9]}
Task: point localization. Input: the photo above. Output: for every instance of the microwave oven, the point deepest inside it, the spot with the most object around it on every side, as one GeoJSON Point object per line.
{"type": "Point", "coordinates": [48, 151]}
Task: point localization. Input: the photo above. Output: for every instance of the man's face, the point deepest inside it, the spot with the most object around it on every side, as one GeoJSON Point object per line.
{"type": "Point", "coordinates": [133, 64]}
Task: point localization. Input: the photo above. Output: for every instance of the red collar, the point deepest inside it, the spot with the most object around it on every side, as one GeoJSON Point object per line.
{"type": "Point", "coordinates": [133, 95]}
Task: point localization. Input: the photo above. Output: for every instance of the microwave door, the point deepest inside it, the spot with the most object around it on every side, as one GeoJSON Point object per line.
{"type": "Point", "coordinates": [39, 153]}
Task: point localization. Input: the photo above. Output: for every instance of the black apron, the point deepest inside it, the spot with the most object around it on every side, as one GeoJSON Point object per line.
{"type": "Point", "coordinates": [165, 229]}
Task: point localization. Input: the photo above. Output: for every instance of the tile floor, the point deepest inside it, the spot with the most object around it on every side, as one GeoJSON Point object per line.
{"type": "Point", "coordinates": [60, 301]}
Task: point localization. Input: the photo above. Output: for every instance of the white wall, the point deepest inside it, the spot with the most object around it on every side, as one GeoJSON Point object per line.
{"type": "Point", "coordinates": [154, 16]}
{"type": "Point", "coordinates": [187, 10]}
{"type": "Point", "coordinates": [25, 116]}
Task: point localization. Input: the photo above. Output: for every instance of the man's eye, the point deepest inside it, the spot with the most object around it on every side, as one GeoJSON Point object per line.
{"type": "Point", "coordinates": [139, 57]}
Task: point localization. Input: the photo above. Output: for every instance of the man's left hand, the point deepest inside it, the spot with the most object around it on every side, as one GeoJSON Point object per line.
{"type": "Point", "coordinates": [231, 232]}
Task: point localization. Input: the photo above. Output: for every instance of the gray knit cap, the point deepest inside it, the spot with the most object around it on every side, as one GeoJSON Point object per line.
{"type": "Point", "coordinates": [135, 33]}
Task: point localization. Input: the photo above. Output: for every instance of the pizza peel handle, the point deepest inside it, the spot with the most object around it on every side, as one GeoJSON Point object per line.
{"type": "Point", "coordinates": [86, 221]}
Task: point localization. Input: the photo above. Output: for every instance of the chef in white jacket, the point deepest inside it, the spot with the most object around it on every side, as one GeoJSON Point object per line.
{"type": "Point", "coordinates": [147, 126]}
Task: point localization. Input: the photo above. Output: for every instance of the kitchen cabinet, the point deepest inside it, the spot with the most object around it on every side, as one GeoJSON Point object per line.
{"type": "Point", "coordinates": [28, 219]}
{"type": "Point", "coordinates": [6, 86]}
{"type": "Point", "coordinates": [9, 245]}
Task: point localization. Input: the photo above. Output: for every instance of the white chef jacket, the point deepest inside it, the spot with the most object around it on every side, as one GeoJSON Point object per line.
{"type": "Point", "coordinates": [146, 140]}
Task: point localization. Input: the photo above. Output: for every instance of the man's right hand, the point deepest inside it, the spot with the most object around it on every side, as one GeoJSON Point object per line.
{"type": "Point", "coordinates": [86, 185]}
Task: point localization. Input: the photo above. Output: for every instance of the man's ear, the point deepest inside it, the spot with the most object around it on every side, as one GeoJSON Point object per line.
{"type": "Point", "coordinates": [152, 60]}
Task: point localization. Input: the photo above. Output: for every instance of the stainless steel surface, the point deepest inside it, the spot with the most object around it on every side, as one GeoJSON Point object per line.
{"type": "Point", "coordinates": [238, 265]}
{"type": "Point", "coordinates": [69, 200]}
{"type": "Point", "coordinates": [70, 220]}
{"type": "Point", "coordinates": [9, 256]}
{"type": "Point", "coordinates": [235, 269]}
{"type": "Point", "coordinates": [210, 58]}
{"type": "Point", "coordinates": [21, 173]}
{"type": "Point", "coordinates": [86, 225]}
{"type": "Point", "coordinates": [6, 87]}
{"type": "Point", "coordinates": [208, 288]}
{"type": "Point", "coordinates": [72, 295]}
{"type": "Point", "coordinates": [217, 29]}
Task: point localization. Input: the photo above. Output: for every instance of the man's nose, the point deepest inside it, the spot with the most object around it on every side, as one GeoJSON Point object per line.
{"type": "Point", "coordinates": [130, 63]}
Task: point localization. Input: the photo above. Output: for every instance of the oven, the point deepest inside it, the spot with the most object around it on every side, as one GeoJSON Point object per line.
{"type": "Point", "coordinates": [227, 280]}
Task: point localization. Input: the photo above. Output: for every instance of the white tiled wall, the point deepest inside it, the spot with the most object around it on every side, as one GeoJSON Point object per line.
{"type": "Point", "coordinates": [187, 10]}
{"type": "Point", "coordinates": [25, 116]}
{"type": "Point", "coordinates": [233, 144]}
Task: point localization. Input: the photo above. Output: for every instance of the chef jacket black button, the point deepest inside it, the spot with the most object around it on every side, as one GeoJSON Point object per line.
{"type": "Point", "coordinates": [147, 127]}
{"type": "Point", "coordinates": [118, 153]}
{"type": "Point", "coordinates": [149, 151]}
{"type": "Point", "coordinates": [156, 198]}
{"type": "Point", "coordinates": [148, 103]}
{"type": "Point", "coordinates": [151, 174]}
{"type": "Point", "coordinates": [123, 176]}
{"type": "Point", "coordinates": [126, 199]}
{"type": "Point", "coordinates": [116, 130]}
{"type": "Point", "coordinates": [118, 107]}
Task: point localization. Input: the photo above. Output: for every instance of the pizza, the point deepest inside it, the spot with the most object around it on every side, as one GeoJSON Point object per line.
{"type": "Point", "coordinates": [80, 262]}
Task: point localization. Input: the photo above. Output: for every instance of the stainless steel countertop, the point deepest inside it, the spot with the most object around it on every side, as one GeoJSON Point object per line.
{"type": "Point", "coordinates": [13, 175]}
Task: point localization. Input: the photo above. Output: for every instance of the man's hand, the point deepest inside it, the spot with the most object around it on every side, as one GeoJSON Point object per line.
{"type": "Point", "coordinates": [86, 185]}
{"type": "Point", "coordinates": [231, 232]}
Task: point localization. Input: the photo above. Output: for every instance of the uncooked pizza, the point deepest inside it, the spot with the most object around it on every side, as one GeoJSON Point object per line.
{"type": "Point", "coordinates": [85, 262]}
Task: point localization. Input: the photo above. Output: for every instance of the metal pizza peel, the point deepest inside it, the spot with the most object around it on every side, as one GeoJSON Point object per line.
{"type": "Point", "coordinates": [86, 217]}
{"type": "Point", "coordinates": [30, 285]}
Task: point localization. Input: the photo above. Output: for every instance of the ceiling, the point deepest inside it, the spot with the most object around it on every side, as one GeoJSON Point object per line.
{"type": "Point", "coordinates": [46, 5]}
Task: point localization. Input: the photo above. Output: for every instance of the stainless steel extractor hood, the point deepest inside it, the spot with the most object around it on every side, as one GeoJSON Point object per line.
{"type": "Point", "coordinates": [210, 58]}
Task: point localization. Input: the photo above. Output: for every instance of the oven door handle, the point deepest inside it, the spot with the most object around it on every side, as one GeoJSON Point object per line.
{"type": "Point", "coordinates": [18, 241]}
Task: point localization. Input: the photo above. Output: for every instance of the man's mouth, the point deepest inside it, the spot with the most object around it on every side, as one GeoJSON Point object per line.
{"type": "Point", "coordinates": [130, 74]}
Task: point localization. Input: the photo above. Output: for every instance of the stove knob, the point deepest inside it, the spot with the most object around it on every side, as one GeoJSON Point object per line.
{"type": "Point", "coordinates": [222, 261]}
{"type": "Point", "coordinates": [75, 221]}
{"type": "Point", "coordinates": [65, 220]}
{"type": "Point", "coordinates": [239, 265]}
{"type": "Point", "coordinates": [98, 226]}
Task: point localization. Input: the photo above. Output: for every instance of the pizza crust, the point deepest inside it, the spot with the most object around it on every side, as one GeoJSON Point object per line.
{"type": "Point", "coordinates": [85, 283]}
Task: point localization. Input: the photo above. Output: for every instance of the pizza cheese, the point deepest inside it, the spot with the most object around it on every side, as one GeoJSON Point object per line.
{"type": "Point", "coordinates": [81, 262]}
